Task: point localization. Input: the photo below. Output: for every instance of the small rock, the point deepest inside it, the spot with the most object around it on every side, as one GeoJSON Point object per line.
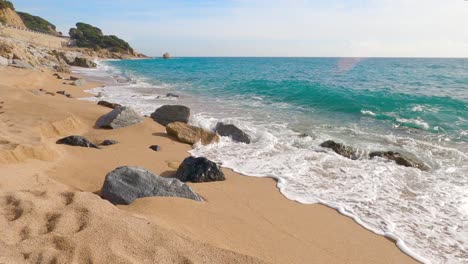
{"type": "Point", "coordinates": [109, 142]}
{"type": "Point", "coordinates": [345, 151]}
{"type": "Point", "coordinates": [172, 95]}
{"type": "Point", "coordinates": [199, 170]}
{"type": "Point", "coordinates": [58, 76]}
{"type": "Point", "coordinates": [303, 135]}
{"type": "Point", "coordinates": [50, 93]}
{"type": "Point", "coordinates": [73, 78]}
{"type": "Point", "coordinates": [76, 141]}
{"type": "Point", "coordinates": [61, 92]}
{"type": "Point", "coordinates": [167, 114]}
{"type": "Point", "coordinates": [400, 159]}
{"type": "Point", "coordinates": [118, 118]}
{"type": "Point", "coordinates": [229, 130]}
{"type": "Point", "coordinates": [68, 95]}
{"type": "Point", "coordinates": [125, 184]}
{"type": "Point", "coordinates": [80, 82]}
{"type": "Point", "coordinates": [155, 147]}
{"type": "Point", "coordinates": [190, 134]}
{"type": "Point", "coordinates": [109, 105]}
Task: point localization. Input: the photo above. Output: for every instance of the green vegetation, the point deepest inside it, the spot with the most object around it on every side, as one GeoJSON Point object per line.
{"type": "Point", "coordinates": [88, 36]}
{"type": "Point", "coordinates": [6, 4]}
{"type": "Point", "coordinates": [37, 23]}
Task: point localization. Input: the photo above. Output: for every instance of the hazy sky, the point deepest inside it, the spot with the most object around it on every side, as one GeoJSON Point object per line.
{"type": "Point", "coordinates": [416, 28]}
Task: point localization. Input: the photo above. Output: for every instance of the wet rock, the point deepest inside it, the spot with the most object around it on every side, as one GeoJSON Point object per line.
{"type": "Point", "coordinates": [109, 142]}
{"type": "Point", "coordinates": [155, 147]}
{"type": "Point", "coordinates": [199, 170]}
{"type": "Point", "coordinates": [172, 95]}
{"type": "Point", "coordinates": [78, 141]}
{"type": "Point", "coordinates": [167, 114]}
{"type": "Point", "coordinates": [118, 118]}
{"type": "Point", "coordinates": [80, 82]}
{"type": "Point", "coordinates": [108, 104]}
{"type": "Point", "coordinates": [191, 134]}
{"type": "Point", "coordinates": [125, 184]}
{"type": "Point", "coordinates": [229, 130]}
{"type": "Point", "coordinates": [343, 150]}
{"type": "Point", "coordinates": [400, 159]}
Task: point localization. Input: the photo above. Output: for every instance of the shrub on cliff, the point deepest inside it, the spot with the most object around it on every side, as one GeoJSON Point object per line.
{"type": "Point", "coordinates": [37, 23]}
{"type": "Point", "coordinates": [88, 36]}
{"type": "Point", "coordinates": [6, 4]}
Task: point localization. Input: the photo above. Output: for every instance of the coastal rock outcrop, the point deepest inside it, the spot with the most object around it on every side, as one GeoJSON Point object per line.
{"type": "Point", "coordinates": [400, 159]}
{"type": "Point", "coordinates": [167, 114]}
{"type": "Point", "coordinates": [77, 141]}
{"type": "Point", "coordinates": [166, 56]}
{"type": "Point", "coordinates": [118, 118]}
{"type": "Point", "coordinates": [125, 184]}
{"type": "Point", "coordinates": [199, 170]}
{"type": "Point", "coordinates": [343, 150]}
{"type": "Point", "coordinates": [80, 82]}
{"type": "Point", "coordinates": [229, 130]}
{"type": "Point", "coordinates": [83, 62]}
{"type": "Point", "coordinates": [108, 104]}
{"type": "Point", "coordinates": [191, 134]}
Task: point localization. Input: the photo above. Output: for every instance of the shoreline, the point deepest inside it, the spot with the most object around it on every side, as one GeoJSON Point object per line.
{"type": "Point", "coordinates": [259, 211]}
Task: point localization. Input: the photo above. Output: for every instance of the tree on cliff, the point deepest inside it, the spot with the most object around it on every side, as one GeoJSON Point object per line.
{"type": "Point", "coordinates": [38, 24]}
{"type": "Point", "coordinates": [88, 36]}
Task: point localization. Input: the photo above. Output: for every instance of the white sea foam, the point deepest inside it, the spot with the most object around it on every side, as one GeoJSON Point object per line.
{"type": "Point", "coordinates": [425, 212]}
{"type": "Point", "coordinates": [367, 112]}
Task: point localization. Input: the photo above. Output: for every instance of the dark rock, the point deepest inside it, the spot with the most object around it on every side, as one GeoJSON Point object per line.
{"type": "Point", "coordinates": [68, 95]}
{"type": "Point", "coordinates": [125, 184]}
{"type": "Point", "coordinates": [78, 141]}
{"type": "Point", "coordinates": [345, 151]}
{"type": "Point", "coordinates": [72, 78]}
{"type": "Point", "coordinates": [155, 148]}
{"type": "Point", "coordinates": [199, 170]}
{"type": "Point", "coordinates": [107, 104]}
{"type": "Point", "coordinates": [400, 159]}
{"type": "Point", "coordinates": [172, 95]}
{"type": "Point", "coordinates": [83, 62]}
{"type": "Point", "coordinates": [58, 76]}
{"type": "Point", "coordinates": [229, 130]}
{"type": "Point", "coordinates": [61, 92]}
{"type": "Point", "coordinates": [166, 56]}
{"type": "Point", "coordinates": [109, 142]}
{"type": "Point", "coordinates": [167, 114]}
{"type": "Point", "coordinates": [118, 118]}
{"type": "Point", "coordinates": [303, 135]}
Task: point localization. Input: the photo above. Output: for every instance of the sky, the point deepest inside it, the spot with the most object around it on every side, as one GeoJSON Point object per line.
{"type": "Point", "coordinates": [282, 28]}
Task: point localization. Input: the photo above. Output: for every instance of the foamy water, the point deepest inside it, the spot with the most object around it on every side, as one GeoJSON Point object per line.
{"type": "Point", "coordinates": [425, 212]}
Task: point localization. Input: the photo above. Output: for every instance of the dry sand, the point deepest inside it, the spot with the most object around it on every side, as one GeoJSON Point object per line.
{"type": "Point", "coordinates": [52, 214]}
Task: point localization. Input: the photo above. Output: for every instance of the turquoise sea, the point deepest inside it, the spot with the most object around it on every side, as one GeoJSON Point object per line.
{"type": "Point", "coordinates": [415, 106]}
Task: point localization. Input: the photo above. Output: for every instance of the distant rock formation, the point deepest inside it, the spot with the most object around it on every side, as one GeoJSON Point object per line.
{"type": "Point", "coordinates": [166, 56]}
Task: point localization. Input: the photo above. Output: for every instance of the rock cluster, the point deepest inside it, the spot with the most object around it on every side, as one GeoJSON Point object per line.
{"type": "Point", "coordinates": [77, 141]}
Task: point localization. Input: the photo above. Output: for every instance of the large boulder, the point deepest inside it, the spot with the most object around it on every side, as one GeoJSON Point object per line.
{"type": "Point", "coordinates": [108, 104]}
{"type": "Point", "coordinates": [167, 114]}
{"type": "Point", "coordinates": [77, 141]}
{"type": "Point", "coordinates": [229, 130]}
{"type": "Point", "coordinates": [118, 118]}
{"type": "Point", "coordinates": [3, 61]}
{"type": "Point", "coordinates": [343, 150]}
{"type": "Point", "coordinates": [400, 159]}
{"type": "Point", "coordinates": [125, 184]}
{"type": "Point", "coordinates": [199, 170]}
{"type": "Point", "coordinates": [83, 62]}
{"type": "Point", "coordinates": [191, 134]}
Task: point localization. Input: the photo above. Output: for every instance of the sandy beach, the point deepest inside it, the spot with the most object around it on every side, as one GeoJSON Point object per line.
{"type": "Point", "coordinates": [52, 211]}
